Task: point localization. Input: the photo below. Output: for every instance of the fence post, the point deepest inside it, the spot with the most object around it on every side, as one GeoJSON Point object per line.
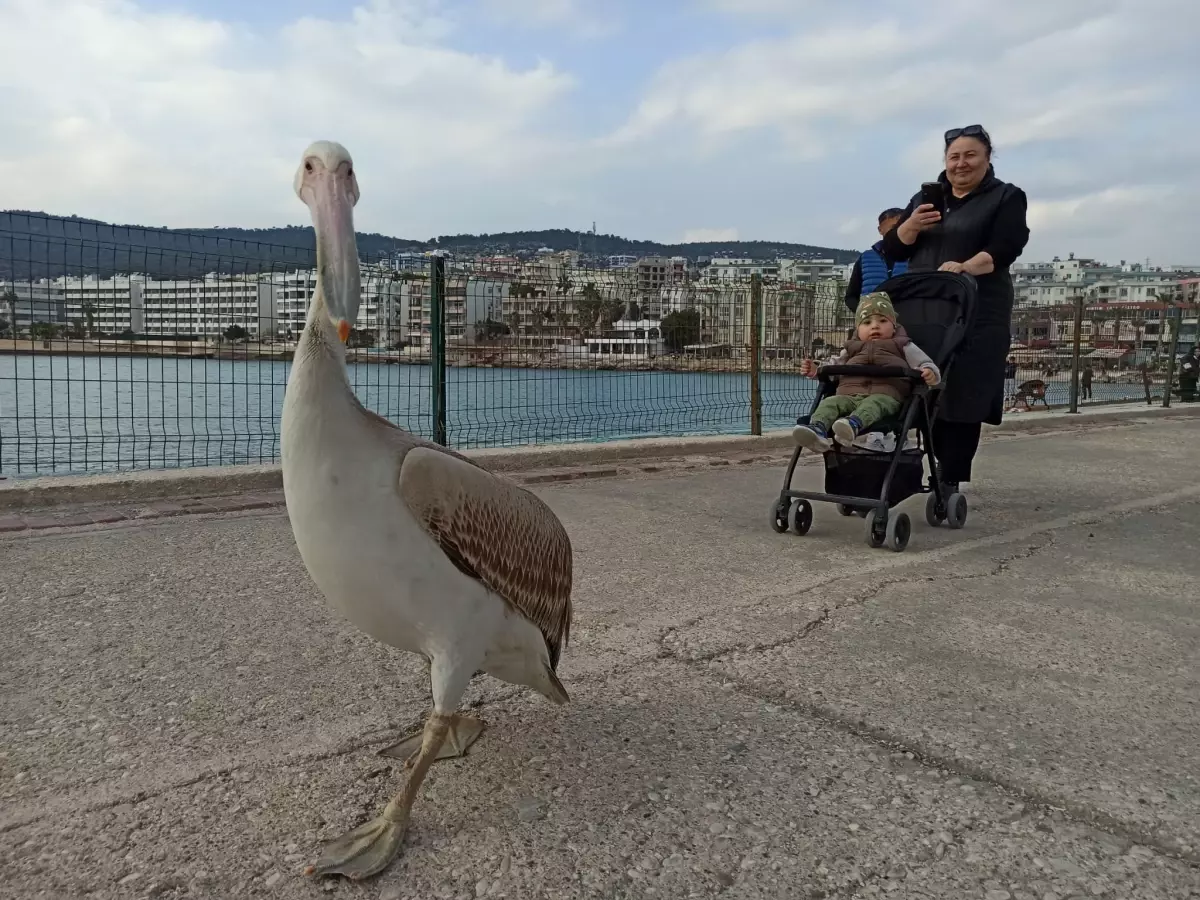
{"type": "Point", "coordinates": [1074, 407]}
{"type": "Point", "coordinates": [437, 343]}
{"type": "Point", "coordinates": [1174, 317]}
{"type": "Point", "coordinates": [755, 353]}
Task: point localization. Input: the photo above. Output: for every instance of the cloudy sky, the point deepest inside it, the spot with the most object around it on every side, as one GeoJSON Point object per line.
{"type": "Point", "coordinates": [661, 119]}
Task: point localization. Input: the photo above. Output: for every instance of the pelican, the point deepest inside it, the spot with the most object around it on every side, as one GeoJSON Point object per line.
{"type": "Point", "coordinates": [414, 544]}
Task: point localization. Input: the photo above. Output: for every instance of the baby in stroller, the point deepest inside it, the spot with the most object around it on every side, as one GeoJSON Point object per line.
{"type": "Point", "coordinates": [861, 401]}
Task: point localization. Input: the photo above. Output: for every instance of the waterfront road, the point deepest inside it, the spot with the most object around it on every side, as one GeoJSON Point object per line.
{"type": "Point", "coordinates": [1006, 712]}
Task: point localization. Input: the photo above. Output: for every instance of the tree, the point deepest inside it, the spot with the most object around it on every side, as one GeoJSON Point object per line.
{"type": "Point", "coordinates": [43, 331]}
{"type": "Point", "coordinates": [633, 312]}
{"type": "Point", "coordinates": [235, 333]}
{"type": "Point", "coordinates": [681, 328]}
{"type": "Point", "coordinates": [513, 320]}
{"type": "Point", "coordinates": [587, 309]}
{"type": "Point", "coordinates": [489, 330]}
{"type": "Point", "coordinates": [9, 299]}
{"type": "Point", "coordinates": [594, 312]}
{"type": "Point", "coordinates": [89, 313]}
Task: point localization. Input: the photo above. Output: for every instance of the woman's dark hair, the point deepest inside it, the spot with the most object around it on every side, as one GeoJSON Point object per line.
{"type": "Point", "coordinates": [972, 131]}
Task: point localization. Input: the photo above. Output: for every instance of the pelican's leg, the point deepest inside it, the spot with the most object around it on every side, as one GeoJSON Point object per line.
{"type": "Point", "coordinates": [464, 731]}
{"type": "Point", "coordinates": [369, 848]}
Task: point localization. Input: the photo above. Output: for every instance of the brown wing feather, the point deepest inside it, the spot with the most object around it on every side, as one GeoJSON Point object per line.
{"type": "Point", "coordinates": [495, 531]}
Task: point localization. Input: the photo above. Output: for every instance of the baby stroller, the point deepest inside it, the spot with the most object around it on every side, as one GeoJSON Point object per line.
{"type": "Point", "coordinates": [935, 309]}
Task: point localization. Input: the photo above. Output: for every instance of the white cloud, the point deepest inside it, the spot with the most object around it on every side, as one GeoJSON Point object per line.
{"type": "Point", "coordinates": [168, 118]}
{"type": "Point", "coordinates": [1101, 212]}
{"type": "Point", "coordinates": [709, 235]}
{"type": "Point", "coordinates": [745, 8]}
{"type": "Point", "coordinates": [798, 120]}
{"type": "Point", "coordinates": [583, 19]}
{"type": "Point", "coordinates": [1073, 92]}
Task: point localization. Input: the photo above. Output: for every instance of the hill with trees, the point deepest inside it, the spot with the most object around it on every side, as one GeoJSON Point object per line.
{"type": "Point", "coordinates": [36, 245]}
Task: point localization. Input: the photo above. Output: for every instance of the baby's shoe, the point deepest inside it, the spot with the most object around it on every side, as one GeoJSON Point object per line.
{"type": "Point", "coordinates": [811, 437]}
{"type": "Point", "coordinates": [846, 430]}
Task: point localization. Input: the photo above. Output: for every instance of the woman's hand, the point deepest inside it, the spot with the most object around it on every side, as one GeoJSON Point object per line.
{"type": "Point", "coordinates": [923, 217]}
{"type": "Point", "coordinates": [808, 368]}
{"type": "Point", "coordinates": [979, 264]}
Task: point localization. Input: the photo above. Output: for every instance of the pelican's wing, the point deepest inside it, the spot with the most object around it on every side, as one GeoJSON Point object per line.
{"type": "Point", "coordinates": [495, 531]}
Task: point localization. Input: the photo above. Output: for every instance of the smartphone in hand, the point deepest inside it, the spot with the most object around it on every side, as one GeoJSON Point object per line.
{"type": "Point", "coordinates": [934, 192]}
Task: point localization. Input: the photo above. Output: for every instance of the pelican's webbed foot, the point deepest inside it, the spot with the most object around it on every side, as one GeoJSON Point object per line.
{"type": "Point", "coordinates": [367, 849]}
{"type": "Point", "coordinates": [464, 731]}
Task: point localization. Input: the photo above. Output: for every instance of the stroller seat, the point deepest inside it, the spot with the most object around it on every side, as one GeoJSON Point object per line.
{"type": "Point", "coordinates": [936, 309]}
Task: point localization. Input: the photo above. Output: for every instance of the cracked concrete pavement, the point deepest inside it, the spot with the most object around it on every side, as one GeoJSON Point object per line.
{"type": "Point", "coordinates": [1006, 712]}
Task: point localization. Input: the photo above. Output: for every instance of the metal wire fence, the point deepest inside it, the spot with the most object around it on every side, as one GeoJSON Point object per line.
{"type": "Point", "coordinates": [130, 348]}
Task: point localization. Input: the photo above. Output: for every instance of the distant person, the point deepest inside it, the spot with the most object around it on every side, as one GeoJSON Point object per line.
{"type": "Point", "coordinates": [1189, 374]}
{"type": "Point", "coordinates": [873, 267]}
{"type": "Point", "coordinates": [1085, 383]}
{"type": "Point", "coordinates": [984, 232]}
{"type": "Point", "coordinates": [1010, 378]}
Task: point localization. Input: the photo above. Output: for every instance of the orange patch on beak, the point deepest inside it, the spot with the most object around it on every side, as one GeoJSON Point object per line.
{"type": "Point", "coordinates": [343, 330]}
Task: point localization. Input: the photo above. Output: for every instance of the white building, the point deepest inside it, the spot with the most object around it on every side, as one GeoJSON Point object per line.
{"type": "Point", "coordinates": [1061, 281]}
{"type": "Point", "coordinates": [26, 303]}
{"type": "Point", "coordinates": [207, 307]}
{"type": "Point", "coordinates": [267, 305]}
{"type": "Point", "coordinates": [723, 270]}
{"type": "Point", "coordinates": [656, 272]}
{"type": "Point", "coordinates": [105, 305]}
{"type": "Point", "coordinates": [626, 339]}
{"type": "Point", "coordinates": [483, 302]}
{"type": "Point", "coordinates": [414, 310]}
{"type": "Point", "coordinates": [811, 270]}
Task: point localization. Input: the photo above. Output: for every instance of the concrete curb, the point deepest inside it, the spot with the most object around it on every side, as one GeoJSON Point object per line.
{"type": "Point", "coordinates": [136, 487]}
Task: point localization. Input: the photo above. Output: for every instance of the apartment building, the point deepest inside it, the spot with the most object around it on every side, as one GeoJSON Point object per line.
{"type": "Point", "coordinates": [25, 303]}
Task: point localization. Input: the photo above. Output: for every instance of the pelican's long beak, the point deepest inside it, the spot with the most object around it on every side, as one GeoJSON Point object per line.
{"type": "Point", "coordinates": [337, 252]}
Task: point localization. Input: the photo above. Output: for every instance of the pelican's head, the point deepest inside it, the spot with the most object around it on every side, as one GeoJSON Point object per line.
{"type": "Point", "coordinates": [325, 182]}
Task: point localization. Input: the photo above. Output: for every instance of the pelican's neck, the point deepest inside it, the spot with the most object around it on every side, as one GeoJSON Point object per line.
{"type": "Point", "coordinates": [320, 338]}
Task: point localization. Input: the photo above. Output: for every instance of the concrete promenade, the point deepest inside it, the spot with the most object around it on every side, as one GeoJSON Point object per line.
{"type": "Point", "coordinates": [1007, 712]}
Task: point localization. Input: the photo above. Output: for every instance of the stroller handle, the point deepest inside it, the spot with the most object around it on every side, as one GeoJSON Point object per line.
{"type": "Point", "coordinates": [871, 372]}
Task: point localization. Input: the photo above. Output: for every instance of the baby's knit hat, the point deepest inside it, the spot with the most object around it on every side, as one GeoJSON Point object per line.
{"type": "Point", "coordinates": [876, 303]}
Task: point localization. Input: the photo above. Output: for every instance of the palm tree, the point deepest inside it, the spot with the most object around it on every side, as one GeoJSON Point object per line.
{"type": "Point", "coordinates": [1138, 322]}
{"type": "Point", "coordinates": [588, 309]}
{"type": "Point", "coordinates": [10, 303]}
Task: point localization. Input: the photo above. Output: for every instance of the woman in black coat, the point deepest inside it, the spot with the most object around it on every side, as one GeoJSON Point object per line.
{"type": "Point", "coordinates": [982, 233]}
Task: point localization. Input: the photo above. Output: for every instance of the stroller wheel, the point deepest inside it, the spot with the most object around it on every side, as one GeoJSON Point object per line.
{"type": "Point", "coordinates": [779, 522]}
{"type": "Point", "coordinates": [956, 510]}
{"type": "Point", "coordinates": [899, 530]}
{"type": "Point", "coordinates": [800, 515]}
{"type": "Point", "coordinates": [875, 534]}
{"type": "Point", "coordinates": [935, 513]}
